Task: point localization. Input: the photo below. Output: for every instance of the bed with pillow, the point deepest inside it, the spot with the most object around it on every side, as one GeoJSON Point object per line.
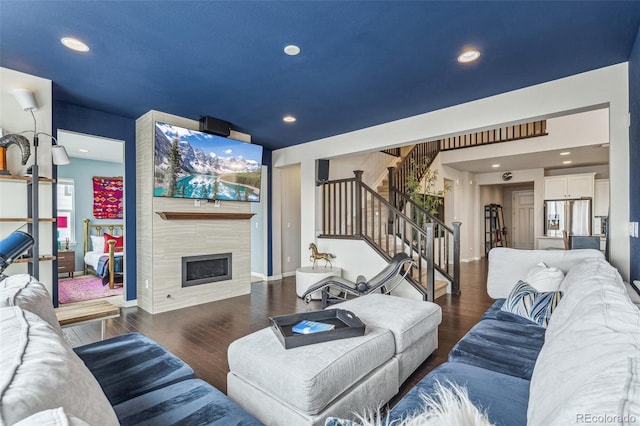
{"type": "Point", "coordinates": [104, 251]}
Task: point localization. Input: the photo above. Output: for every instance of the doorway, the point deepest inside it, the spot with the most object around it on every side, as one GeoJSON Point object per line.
{"type": "Point", "coordinates": [522, 214]}
{"type": "Point", "coordinates": [290, 216]}
{"type": "Point", "coordinates": [93, 160]}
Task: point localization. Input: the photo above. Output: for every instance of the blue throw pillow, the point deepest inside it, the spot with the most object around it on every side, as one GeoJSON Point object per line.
{"type": "Point", "coordinates": [531, 304]}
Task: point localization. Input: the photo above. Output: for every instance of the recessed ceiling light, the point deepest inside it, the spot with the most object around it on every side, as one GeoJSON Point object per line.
{"type": "Point", "coordinates": [289, 119]}
{"type": "Point", "coordinates": [567, 162]}
{"type": "Point", "coordinates": [495, 166]}
{"type": "Point", "coordinates": [565, 153]}
{"type": "Point", "coordinates": [468, 56]}
{"type": "Point", "coordinates": [83, 150]}
{"type": "Point", "coordinates": [74, 44]}
{"type": "Point", "coordinates": [292, 50]}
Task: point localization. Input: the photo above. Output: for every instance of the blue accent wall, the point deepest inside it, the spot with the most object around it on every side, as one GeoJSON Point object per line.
{"type": "Point", "coordinates": [94, 122]}
{"type": "Point", "coordinates": [634, 153]}
{"type": "Point", "coordinates": [82, 171]}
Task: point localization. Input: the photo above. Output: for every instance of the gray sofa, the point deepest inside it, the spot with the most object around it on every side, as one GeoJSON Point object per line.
{"type": "Point", "coordinates": [583, 368]}
{"type": "Point", "coordinates": [125, 380]}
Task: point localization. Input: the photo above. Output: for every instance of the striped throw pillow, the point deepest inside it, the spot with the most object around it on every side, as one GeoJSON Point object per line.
{"type": "Point", "coordinates": [529, 303]}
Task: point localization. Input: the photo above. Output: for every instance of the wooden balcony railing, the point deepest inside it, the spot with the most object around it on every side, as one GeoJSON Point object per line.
{"type": "Point", "coordinates": [501, 134]}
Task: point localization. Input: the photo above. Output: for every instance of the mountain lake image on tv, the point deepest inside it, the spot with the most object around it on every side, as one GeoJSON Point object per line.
{"type": "Point", "coordinates": [192, 164]}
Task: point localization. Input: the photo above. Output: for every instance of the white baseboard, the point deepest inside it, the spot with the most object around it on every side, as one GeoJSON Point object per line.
{"type": "Point", "coordinates": [129, 303]}
{"type": "Point", "coordinates": [274, 277]}
{"type": "Point", "coordinates": [258, 275]}
{"type": "Point", "coordinates": [473, 259]}
{"type": "Point", "coordinates": [288, 274]}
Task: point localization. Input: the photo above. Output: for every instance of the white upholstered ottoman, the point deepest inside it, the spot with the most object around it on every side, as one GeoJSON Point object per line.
{"type": "Point", "coordinates": [305, 385]}
{"type": "Point", "coordinates": [414, 325]}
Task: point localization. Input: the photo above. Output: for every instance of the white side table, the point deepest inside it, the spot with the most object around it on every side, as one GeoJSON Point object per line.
{"type": "Point", "coordinates": [308, 276]}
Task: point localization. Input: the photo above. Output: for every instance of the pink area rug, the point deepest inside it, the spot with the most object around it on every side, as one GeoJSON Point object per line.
{"type": "Point", "coordinates": [85, 287]}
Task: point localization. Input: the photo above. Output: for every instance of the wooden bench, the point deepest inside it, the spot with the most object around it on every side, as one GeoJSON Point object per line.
{"type": "Point", "coordinates": [86, 312]}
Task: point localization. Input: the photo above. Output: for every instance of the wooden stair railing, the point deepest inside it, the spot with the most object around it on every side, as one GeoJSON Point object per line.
{"type": "Point", "coordinates": [446, 248]}
{"type": "Point", "coordinates": [415, 164]}
{"type": "Point", "coordinates": [353, 210]}
{"type": "Point", "coordinates": [395, 152]}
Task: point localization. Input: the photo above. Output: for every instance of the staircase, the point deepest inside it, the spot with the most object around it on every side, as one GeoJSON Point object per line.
{"type": "Point", "coordinates": [351, 209]}
{"type": "Point", "coordinates": [440, 284]}
{"type": "Point", "coordinates": [390, 222]}
{"type": "Point", "coordinates": [414, 165]}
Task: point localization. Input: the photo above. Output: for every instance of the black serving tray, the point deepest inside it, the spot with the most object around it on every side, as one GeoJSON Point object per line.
{"type": "Point", "coordinates": [346, 325]}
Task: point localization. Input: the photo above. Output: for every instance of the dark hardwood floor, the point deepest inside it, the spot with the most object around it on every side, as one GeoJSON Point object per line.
{"type": "Point", "coordinates": [200, 335]}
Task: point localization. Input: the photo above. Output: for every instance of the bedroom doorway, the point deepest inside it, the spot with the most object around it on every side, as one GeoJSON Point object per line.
{"type": "Point", "coordinates": [90, 203]}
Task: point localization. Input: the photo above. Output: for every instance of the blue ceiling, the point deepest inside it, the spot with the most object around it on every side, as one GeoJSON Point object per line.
{"type": "Point", "coordinates": [362, 63]}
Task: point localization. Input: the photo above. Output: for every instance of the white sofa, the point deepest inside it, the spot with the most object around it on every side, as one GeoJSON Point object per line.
{"type": "Point", "coordinates": [584, 368]}
{"type": "Point", "coordinates": [125, 380]}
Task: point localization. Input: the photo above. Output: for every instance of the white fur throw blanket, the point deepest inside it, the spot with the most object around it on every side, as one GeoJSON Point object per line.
{"type": "Point", "coordinates": [448, 406]}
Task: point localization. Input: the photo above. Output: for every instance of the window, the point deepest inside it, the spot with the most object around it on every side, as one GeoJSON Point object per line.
{"type": "Point", "coordinates": [66, 216]}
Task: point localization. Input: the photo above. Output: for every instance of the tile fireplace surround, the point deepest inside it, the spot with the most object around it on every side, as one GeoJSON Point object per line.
{"type": "Point", "coordinates": [170, 229]}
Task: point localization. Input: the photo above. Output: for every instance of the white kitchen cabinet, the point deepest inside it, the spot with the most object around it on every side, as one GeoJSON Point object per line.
{"type": "Point", "coordinates": [555, 188]}
{"type": "Point", "coordinates": [569, 186]}
{"type": "Point", "coordinates": [601, 198]}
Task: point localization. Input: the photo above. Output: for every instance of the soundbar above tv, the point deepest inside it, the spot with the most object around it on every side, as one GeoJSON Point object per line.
{"type": "Point", "coordinates": [198, 165]}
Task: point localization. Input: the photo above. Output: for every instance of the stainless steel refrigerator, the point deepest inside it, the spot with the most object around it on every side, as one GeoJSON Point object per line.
{"type": "Point", "coordinates": [574, 216]}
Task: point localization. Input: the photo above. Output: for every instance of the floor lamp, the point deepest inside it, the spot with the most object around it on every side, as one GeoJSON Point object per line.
{"type": "Point", "coordinates": [27, 102]}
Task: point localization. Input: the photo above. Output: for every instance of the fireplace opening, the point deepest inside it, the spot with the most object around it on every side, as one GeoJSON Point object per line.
{"type": "Point", "coordinates": [205, 269]}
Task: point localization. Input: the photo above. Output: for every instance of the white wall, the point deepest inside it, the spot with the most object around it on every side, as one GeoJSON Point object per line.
{"type": "Point", "coordinates": [290, 215]}
{"type": "Point", "coordinates": [490, 194]}
{"type": "Point", "coordinates": [13, 119]}
{"type": "Point", "coordinates": [462, 192]}
{"type": "Point", "coordinates": [373, 164]}
{"type": "Point", "coordinates": [356, 257]}
{"type": "Point", "coordinates": [601, 171]}
{"type": "Point", "coordinates": [13, 196]}
{"type": "Point", "coordinates": [601, 87]}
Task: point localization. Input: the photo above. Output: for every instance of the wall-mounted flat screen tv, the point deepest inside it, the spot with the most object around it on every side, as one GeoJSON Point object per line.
{"type": "Point", "coordinates": [192, 164]}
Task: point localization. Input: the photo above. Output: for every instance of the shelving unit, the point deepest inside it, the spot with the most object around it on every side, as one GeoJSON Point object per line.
{"type": "Point", "coordinates": [25, 219]}
{"type": "Point", "coordinates": [30, 259]}
{"type": "Point", "coordinates": [19, 203]}
{"type": "Point", "coordinates": [495, 233]}
{"type": "Point", "coordinates": [26, 178]}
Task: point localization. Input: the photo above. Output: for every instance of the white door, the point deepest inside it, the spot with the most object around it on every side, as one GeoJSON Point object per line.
{"type": "Point", "coordinates": [522, 224]}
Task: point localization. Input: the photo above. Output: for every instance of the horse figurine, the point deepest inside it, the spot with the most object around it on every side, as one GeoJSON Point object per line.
{"type": "Point", "coordinates": [315, 255]}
